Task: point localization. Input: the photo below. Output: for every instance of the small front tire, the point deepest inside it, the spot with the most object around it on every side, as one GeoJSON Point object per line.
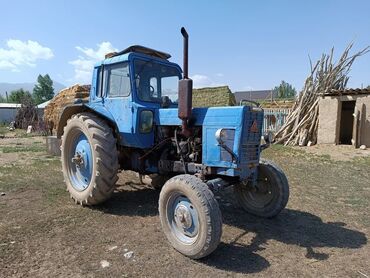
{"type": "Point", "coordinates": [190, 216]}
{"type": "Point", "coordinates": [271, 194]}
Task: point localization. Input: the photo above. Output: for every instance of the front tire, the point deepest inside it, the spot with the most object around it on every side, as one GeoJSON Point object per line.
{"type": "Point", "coordinates": [190, 216]}
{"type": "Point", "coordinates": [271, 194]}
{"type": "Point", "coordinates": [89, 159]}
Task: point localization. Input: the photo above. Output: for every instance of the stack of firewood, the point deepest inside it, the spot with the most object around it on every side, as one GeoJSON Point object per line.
{"type": "Point", "coordinates": [301, 125]}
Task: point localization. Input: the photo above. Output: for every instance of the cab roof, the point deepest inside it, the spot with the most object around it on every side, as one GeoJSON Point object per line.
{"type": "Point", "coordinates": [137, 50]}
{"type": "Point", "coordinates": [141, 49]}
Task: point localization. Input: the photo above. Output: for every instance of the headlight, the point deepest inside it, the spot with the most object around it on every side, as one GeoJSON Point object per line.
{"type": "Point", "coordinates": [222, 135]}
{"type": "Point", "coordinates": [146, 121]}
{"type": "Point", "coordinates": [268, 137]}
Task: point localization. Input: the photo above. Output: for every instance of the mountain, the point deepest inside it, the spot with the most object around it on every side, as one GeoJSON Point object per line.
{"type": "Point", "coordinates": [8, 87]}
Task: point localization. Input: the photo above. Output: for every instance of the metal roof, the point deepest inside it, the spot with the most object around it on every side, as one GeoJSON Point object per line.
{"type": "Point", "coordinates": [254, 95]}
{"type": "Point", "coordinates": [10, 105]}
{"type": "Point", "coordinates": [43, 105]}
{"type": "Point", "coordinates": [356, 91]}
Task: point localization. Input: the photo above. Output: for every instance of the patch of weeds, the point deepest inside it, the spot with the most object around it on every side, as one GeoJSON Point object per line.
{"type": "Point", "coordinates": [42, 173]}
{"type": "Point", "coordinates": [3, 129]}
{"type": "Point", "coordinates": [362, 160]}
{"type": "Point", "coordinates": [17, 149]}
{"type": "Point", "coordinates": [54, 193]}
{"type": "Point", "coordinates": [37, 143]}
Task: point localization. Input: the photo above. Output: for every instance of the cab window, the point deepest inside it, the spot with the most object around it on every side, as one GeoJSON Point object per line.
{"type": "Point", "coordinates": [117, 78]}
{"type": "Point", "coordinates": [156, 80]}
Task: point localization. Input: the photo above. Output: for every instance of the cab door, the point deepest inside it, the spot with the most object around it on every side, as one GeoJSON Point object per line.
{"type": "Point", "coordinates": [118, 99]}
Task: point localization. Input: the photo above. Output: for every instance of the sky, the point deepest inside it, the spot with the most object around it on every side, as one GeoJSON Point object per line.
{"type": "Point", "coordinates": [248, 45]}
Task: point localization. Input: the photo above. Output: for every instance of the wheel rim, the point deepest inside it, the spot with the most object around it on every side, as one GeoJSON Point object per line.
{"type": "Point", "coordinates": [262, 195]}
{"type": "Point", "coordinates": [79, 160]}
{"type": "Point", "coordinates": [183, 218]}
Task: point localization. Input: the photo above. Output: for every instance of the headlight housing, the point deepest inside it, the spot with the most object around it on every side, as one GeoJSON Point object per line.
{"type": "Point", "coordinates": [268, 137]}
{"type": "Point", "coordinates": [223, 135]}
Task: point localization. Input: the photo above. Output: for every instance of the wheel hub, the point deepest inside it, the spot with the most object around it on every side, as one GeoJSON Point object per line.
{"type": "Point", "coordinates": [183, 217]}
{"type": "Point", "coordinates": [81, 161]}
{"type": "Point", "coordinates": [78, 159]}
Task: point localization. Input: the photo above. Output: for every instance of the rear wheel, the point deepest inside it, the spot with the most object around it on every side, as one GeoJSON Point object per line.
{"type": "Point", "coordinates": [89, 159]}
{"type": "Point", "coordinates": [270, 195]}
{"type": "Point", "coordinates": [190, 216]}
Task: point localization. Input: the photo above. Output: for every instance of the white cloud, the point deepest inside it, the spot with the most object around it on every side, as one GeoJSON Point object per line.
{"type": "Point", "coordinates": [83, 65]}
{"type": "Point", "coordinates": [201, 81]}
{"type": "Point", "coordinates": [23, 53]}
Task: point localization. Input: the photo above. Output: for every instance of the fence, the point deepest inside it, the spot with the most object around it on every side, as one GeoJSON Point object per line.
{"type": "Point", "coordinates": [274, 118]}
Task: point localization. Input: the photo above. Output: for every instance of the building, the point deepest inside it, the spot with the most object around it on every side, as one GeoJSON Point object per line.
{"type": "Point", "coordinates": [344, 117]}
{"type": "Point", "coordinates": [8, 111]}
{"type": "Point", "coordinates": [41, 109]}
{"type": "Point", "coordinates": [261, 95]}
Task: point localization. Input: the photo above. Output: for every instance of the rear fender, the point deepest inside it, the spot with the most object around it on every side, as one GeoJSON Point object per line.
{"type": "Point", "coordinates": [71, 110]}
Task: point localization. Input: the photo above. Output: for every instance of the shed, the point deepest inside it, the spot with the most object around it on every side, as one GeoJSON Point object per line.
{"type": "Point", "coordinates": [260, 95]}
{"type": "Point", "coordinates": [344, 117]}
{"type": "Point", "coordinates": [41, 108]}
{"type": "Point", "coordinates": [8, 111]}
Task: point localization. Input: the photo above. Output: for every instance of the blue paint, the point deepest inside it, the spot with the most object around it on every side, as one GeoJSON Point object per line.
{"type": "Point", "coordinates": [124, 112]}
{"type": "Point", "coordinates": [81, 173]}
{"type": "Point", "coordinates": [181, 206]}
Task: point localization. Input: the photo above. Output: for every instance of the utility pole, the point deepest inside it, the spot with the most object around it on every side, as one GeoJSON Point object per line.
{"type": "Point", "coordinates": [6, 94]}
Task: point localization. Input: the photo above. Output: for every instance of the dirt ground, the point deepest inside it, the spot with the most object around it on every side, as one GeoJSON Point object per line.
{"type": "Point", "coordinates": [323, 232]}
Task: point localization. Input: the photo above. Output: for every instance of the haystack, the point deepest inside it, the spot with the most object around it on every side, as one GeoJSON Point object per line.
{"type": "Point", "coordinates": [213, 96]}
{"type": "Point", "coordinates": [62, 99]}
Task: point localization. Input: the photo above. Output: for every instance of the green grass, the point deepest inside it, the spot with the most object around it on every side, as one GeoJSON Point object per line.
{"type": "Point", "coordinates": [44, 173]}
{"type": "Point", "coordinates": [17, 149]}
{"type": "Point", "coordinates": [3, 129]}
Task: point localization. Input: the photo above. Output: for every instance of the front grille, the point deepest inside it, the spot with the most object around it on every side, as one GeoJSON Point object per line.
{"type": "Point", "coordinates": [250, 152]}
{"type": "Point", "coordinates": [250, 143]}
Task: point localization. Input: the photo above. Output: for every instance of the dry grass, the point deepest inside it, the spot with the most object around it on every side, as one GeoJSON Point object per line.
{"type": "Point", "coordinates": [323, 232]}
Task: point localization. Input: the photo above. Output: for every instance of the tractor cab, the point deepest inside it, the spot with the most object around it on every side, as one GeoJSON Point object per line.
{"type": "Point", "coordinates": [130, 86]}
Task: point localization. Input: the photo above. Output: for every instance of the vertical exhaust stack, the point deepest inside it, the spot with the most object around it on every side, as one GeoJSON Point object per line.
{"type": "Point", "coordinates": [185, 89]}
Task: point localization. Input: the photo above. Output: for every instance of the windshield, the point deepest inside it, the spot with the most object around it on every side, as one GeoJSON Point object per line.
{"type": "Point", "coordinates": [154, 81]}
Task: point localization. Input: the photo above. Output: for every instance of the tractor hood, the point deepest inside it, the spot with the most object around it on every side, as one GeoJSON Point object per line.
{"type": "Point", "coordinates": [243, 125]}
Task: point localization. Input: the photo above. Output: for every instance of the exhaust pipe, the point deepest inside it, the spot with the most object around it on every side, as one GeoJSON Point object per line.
{"type": "Point", "coordinates": [185, 89]}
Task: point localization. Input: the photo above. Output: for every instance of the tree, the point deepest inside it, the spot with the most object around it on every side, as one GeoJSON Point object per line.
{"type": "Point", "coordinates": [19, 96]}
{"type": "Point", "coordinates": [43, 90]}
{"type": "Point", "coordinates": [2, 99]}
{"type": "Point", "coordinates": [285, 90]}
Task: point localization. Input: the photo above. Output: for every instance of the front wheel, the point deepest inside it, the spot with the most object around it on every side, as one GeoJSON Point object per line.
{"type": "Point", "coordinates": [269, 196]}
{"type": "Point", "coordinates": [190, 216]}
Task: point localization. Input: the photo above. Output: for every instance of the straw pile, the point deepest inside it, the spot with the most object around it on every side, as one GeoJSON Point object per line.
{"type": "Point", "coordinates": [213, 96]}
{"type": "Point", "coordinates": [65, 97]}
{"type": "Point", "coordinates": [301, 125]}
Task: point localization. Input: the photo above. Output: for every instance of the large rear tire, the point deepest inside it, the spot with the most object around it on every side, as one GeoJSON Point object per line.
{"type": "Point", "coordinates": [271, 194]}
{"type": "Point", "coordinates": [190, 216]}
{"type": "Point", "coordinates": [89, 159]}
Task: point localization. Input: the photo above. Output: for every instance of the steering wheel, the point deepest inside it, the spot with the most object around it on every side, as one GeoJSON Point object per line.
{"type": "Point", "coordinates": [151, 90]}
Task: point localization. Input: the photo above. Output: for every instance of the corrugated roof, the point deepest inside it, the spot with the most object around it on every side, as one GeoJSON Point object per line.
{"type": "Point", "coordinates": [254, 95]}
{"type": "Point", "coordinates": [10, 105]}
{"type": "Point", "coordinates": [350, 91]}
{"type": "Point", "coordinates": [43, 105]}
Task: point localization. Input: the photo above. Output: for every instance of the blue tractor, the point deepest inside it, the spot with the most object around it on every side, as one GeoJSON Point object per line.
{"type": "Point", "coordinates": [139, 117]}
